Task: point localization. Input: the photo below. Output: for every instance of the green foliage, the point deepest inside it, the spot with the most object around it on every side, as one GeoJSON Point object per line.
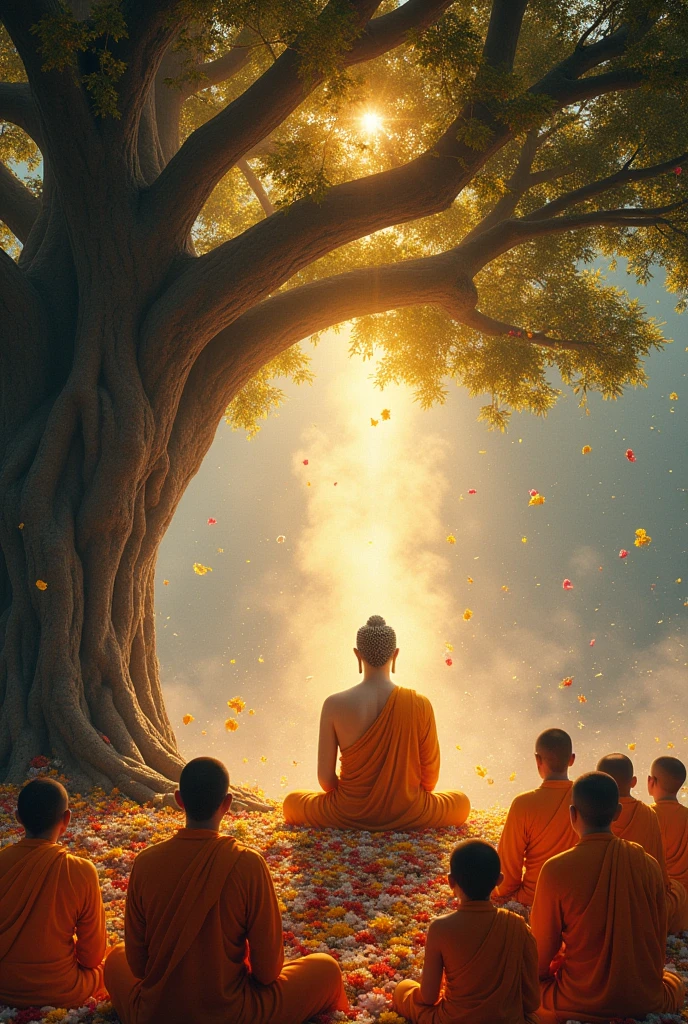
{"type": "Point", "coordinates": [261, 396]}
{"type": "Point", "coordinates": [64, 41]}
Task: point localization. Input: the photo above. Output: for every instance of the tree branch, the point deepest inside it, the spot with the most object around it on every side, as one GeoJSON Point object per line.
{"type": "Point", "coordinates": [256, 186]}
{"type": "Point", "coordinates": [498, 328]}
{"type": "Point", "coordinates": [214, 148]}
{"type": "Point", "coordinates": [17, 107]}
{"type": "Point", "coordinates": [18, 207]}
{"type": "Point", "coordinates": [215, 72]}
{"type": "Point", "coordinates": [627, 175]}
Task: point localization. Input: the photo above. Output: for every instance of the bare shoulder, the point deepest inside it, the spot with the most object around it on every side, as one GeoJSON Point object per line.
{"type": "Point", "coordinates": [342, 699]}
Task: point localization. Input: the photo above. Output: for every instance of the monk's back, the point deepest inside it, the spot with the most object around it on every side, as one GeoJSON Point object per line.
{"type": "Point", "coordinates": [673, 822]}
{"type": "Point", "coordinates": [486, 952]}
{"type": "Point", "coordinates": [355, 710]}
{"type": "Point", "coordinates": [43, 955]}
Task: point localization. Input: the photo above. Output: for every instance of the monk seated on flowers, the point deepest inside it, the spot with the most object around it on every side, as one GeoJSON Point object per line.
{"type": "Point", "coordinates": [638, 823]}
{"type": "Point", "coordinates": [667, 775]}
{"type": "Point", "coordinates": [538, 825]}
{"type": "Point", "coordinates": [203, 932]}
{"type": "Point", "coordinates": [390, 756]}
{"type": "Point", "coordinates": [52, 921]}
{"type": "Point", "coordinates": [486, 956]}
{"type": "Point", "coordinates": [605, 901]}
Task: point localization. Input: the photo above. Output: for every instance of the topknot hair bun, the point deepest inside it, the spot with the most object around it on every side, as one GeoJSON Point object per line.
{"type": "Point", "coordinates": [376, 641]}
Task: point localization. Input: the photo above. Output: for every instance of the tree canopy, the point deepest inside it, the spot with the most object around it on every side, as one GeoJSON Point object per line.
{"type": "Point", "coordinates": [191, 188]}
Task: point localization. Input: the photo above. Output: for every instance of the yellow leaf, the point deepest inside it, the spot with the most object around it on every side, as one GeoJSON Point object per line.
{"type": "Point", "coordinates": [386, 414]}
{"type": "Point", "coordinates": [166, 583]}
{"type": "Point", "coordinates": [512, 777]}
{"type": "Point", "coordinates": [451, 539]}
{"type": "Point", "coordinates": [537, 499]}
{"type": "Point", "coordinates": [231, 725]}
{"type": "Point", "coordinates": [41, 584]}
{"type": "Point", "coordinates": [188, 719]}
{"type": "Point", "coordinates": [482, 772]}
{"type": "Point", "coordinates": [586, 449]}
{"type": "Point", "coordinates": [373, 422]}
{"type": "Point", "coordinates": [201, 570]}
{"type": "Point", "coordinates": [673, 396]}
{"type": "Point", "coordinates": [236, 704]}
{"type": "Point", "coordinates": [631, 746]}
{"type": "Point", "coordinates": [468, 614]}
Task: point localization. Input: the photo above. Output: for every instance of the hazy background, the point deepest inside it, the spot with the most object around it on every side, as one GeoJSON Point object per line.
{"type": "Point", "coordinates": [275, 623]}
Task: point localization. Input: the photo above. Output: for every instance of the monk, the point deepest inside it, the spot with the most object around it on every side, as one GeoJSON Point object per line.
{"type": "Point", "coordinates": [202, 928]}
{"type": "Point", "coordinates": [538, 825]}
{"type": "Point", "coordinates": [52, 921]}
{"type": "Point", "coordinates": [390, 756]}
{"type": "Point", "coordinates": [637, 823]}
{"type": "Point", "coordinates": [667, 776]}
{"type": "Point", "coordinates": [486, 956]}
{"type": "Point", "coordinates": [604, 900]}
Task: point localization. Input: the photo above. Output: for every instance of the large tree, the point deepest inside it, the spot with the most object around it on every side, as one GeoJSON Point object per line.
{"type": "Point", "coordinates": [191, 187]}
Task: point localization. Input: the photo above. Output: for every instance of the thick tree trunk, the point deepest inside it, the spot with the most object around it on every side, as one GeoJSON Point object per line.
{"type": "Point", "coordinates": [87, 491]}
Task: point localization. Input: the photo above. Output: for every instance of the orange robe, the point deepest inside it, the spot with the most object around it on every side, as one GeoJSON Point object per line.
{"type": "Point", "coordinates": [203, 941]}
{"type": "Point", "coordinates": [490, 970]}
{"type": "Point", "coordinates": [537, 827]}
{"type": "Point", "coordinates": [605, 900]}
{"type": "Point", "coordinates": [673, 824]}
{"type": "Point", "coordinates": [47, 897]}
{"type": "Point", "coordinates": [639, 824]}
{"type": "Point", "coordinates": [386, 777]}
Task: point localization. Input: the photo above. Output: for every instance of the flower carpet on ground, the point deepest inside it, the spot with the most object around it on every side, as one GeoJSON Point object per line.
{"type": "Point", "coordinates": [365, 898]}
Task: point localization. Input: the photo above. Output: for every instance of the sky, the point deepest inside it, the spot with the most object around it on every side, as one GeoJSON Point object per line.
{"type": "Point", "coordinates": [365, 526]}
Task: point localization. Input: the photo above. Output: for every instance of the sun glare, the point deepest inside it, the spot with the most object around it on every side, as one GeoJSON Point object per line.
{"type": "Point", "coordinates": [371, 122]}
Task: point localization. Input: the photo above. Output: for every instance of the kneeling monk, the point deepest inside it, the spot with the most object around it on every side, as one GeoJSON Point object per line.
{"type": "Point", "coordinates": [605, 900]}
{"type": "Point", "coordinates": [47, 897]}
{"type": "Point", "coordinates": [203, 935]}
{"type": "Point", "coordinates": [638, 823]}
{"type": "Point", "coordinates": [482, 960]}
{"type": "Point", "coordinates": [390, 756]}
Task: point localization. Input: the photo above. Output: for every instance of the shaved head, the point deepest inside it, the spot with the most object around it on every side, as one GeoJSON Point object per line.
{"type": "Point", "coordinates": [474, 866]}
{"type": "Point", "coordinates": [595, 796]}
{"type": "Point", "coordinates": [41, 805]}
{"type": "Point", "coordinates": [620, 768]}
{"type": "Point", "coordinates": [203, 784]}
{"type": "Point", "coordinates": [555, 748]}
{"type": "Point", "coordinates": [669, 772]}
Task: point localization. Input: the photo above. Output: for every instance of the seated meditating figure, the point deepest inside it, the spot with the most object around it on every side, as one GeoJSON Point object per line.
{"type": "Point", "coordinates": [480, 961]}
{"type": "Point", "coordinates": [390, 756]}
{"type": "Point", "coordinates": [638, 823]}
{"type": "Point", "coordinates": [605, 901]}
{"type": "Point", "coordinates": [538, 824]}
{"type": "Point", "coordinates": [666, 777]}
{"type": "Point", "coordinates": [52, 921]}
{"type": "Point", "coordinates": [202, 928]}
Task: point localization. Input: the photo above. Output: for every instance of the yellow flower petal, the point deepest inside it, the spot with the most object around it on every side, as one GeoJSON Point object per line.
{"type": "Point", "coordinates": [468, 614]}
{"type": "Point", "coordinates": [201, 570]}
{"type": "Point", "coordinates": [41, 584]}
{"type": "Point", "coordinates": [451, 539]}
{"type": "Point", "coordinates": [231, 725]}
{"type": "Point", "coordinates": [188, 719]}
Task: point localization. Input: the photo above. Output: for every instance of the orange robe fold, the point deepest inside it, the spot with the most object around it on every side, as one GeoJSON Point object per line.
{"type": "Point", "coordinates": [203, 941]}
{"type": "Point", "coordinates": [673, 825]}
{"type": "Point", "coordinates": [638, 823]}
{"type": "Point", "coordinates": [52, 927]}
{"type": "Point", "coordinates": [605, 900]}
{"type": "Point", "coordinates": [490, 971]}
{"type": "Point", "coordinates": [537, 827]}
{"type": "Point", "coordinates": [386, 777]}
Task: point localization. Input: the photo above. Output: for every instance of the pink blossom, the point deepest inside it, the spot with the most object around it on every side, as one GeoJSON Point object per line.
{"type": "Point", "coordinates": [567, 585]}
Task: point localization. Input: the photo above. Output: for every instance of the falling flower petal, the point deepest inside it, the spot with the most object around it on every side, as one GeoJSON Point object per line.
{"type": "Point", "coordinates": [451, 539]}
{"type": "Point", "coordinates": [469, 579]}
{"type": "Point", "coordinates": [448, 661]}
{"type": "Point", "coordinates": [512, 777]}
{"type": "Point", "coordinates": [468, 614]}
{"type": "Point", "coordinates": [567, 585]}
{"type": "Point", "coordinates": [305, 462]}
{"type": "Point", "coordinates": [537, 499]}
{"type": "Point", "coordinates": [166, 583]}
{"type": "Point", "coordinates": [212, 522]}
{"type": "Point", "coordinates": [641, 538]}
{"type": "Point", "coordinates": [673, 396]}
{"type": "Point", "coordinates": [592, 642]}
{"type": "Point", "coordinates": [677, 170]}
{"type": "Point", "coordinates": [236, 704]}
{"type": "Point", "coordinates": [532, 493]}
{"type": "Point", "coordinates": [231, 725]}
{"type": "Point", "coordinates": [373, 422]}
{"type": "Point", "coordinates": [568, 681]}
{"type": "Point", "coordinates": [631, 746]}
{"type": "Point", "coordinates": [281, 539]}
{"type": "Point", "coordinates": [41, 584]}
{"type": "Point", "coordinates": [458, 747]}
{"type": "Point", "coordinates": [505, 588]}
{"type": "Point", "coordinates": [623, 553]}
{"type": "Point", "coordinates": [586, 449]}
{"type": "Point", "coordinates": [524, 540]}
{"type": "Point", "coordinates": [261, 659]}
{"type": "Point", "coordinates": [582, 699]}
{"type": "Point", "coordinates": [201, 570]}
{"type": "Point", "coordinates": [188, 719]}
{"type": "Point", "coordinates": [629, 455]}
{"type": "Point", "coordinates": [263, 759]}
{"type": "Point", "coordinates": [450, 647]}
{"type": "Point", "coordinates": [386, 414]}
{"type": "Point", "coordinates": [21, 526]}
{"type": "Point", "coordinates": [472, 490]}
{"type": "Point", "coordinates": [251, 711]}
{"type": "Point", "coordinates": [482, 772]}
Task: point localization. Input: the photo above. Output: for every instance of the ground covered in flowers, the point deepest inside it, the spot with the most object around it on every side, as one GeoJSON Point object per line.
{"type": "Point", "coordinates": [365, 898]}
